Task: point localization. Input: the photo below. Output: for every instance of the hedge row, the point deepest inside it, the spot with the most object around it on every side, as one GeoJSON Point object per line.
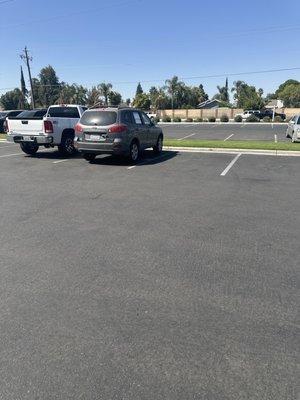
{"type": "Point", "coordinates": [224, 118]}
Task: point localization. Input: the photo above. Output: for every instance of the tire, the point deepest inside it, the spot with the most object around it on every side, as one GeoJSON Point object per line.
{"type": "Point", "coordinates": [159, 145]}
{"type": "Point", "coordinates": [29, 148]}
{"type": "Point", "coordinates": [89, 156]}
{"type": "Point", "coordinates": [67, 145]}
{"type": "Point", "coordinates": [294, 140]}
{"type": "Point", "coordinates": [134, 152]}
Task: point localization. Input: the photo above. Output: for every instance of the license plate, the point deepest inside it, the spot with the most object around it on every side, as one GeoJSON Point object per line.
{"type": "Point", "coordinates": [27, 139]}
{"type": "Point", "coordinates": [95, 138]}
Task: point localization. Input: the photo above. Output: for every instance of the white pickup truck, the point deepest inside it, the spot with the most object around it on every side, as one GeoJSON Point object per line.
{"type": "Point", "coordinates": [48, 128]}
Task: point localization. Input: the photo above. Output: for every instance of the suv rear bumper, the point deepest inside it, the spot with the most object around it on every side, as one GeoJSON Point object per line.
{"type": "Point", "coordinates": [39, 139]}
{"type": "Point", "coordinates": [117, 148]}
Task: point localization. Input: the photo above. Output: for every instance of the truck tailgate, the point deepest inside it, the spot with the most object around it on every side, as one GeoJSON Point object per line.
{"type": "Point", "coordinates": [25, 126]}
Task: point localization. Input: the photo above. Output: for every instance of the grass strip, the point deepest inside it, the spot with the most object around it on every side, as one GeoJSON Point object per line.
{"type": "Point", "coordinates": [234, 144]}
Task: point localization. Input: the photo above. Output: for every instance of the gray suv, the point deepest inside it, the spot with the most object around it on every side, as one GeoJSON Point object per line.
{"type": "Point", "coordinates": [118, 131]}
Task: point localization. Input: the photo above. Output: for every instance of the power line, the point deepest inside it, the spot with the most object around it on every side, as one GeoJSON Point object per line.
{"type": "Point", "coordinates": [266, 71]}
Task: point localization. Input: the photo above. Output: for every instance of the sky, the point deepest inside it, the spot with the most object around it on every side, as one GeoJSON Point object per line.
{"type": "Point", "coordinates": [127, 41]}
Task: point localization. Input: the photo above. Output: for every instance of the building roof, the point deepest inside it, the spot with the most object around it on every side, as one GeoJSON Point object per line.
{"type": "Point", "coordinates": [213, 103]}
{"type": "Point", "coordinates": [275, 103]}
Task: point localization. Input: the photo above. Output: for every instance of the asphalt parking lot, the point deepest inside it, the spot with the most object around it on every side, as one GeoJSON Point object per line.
{"type": "Point", "coordinates": [229, 131]}
{"type": "Point", "coordinates": [166, 280]}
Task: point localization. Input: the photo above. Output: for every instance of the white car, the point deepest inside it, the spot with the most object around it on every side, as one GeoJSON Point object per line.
{"type": "Point", "coordinates": [293, 129]}
{"type": "Point", "coordinates": [247, 113]}
{"type": "Point", "coordinates": [151, 115]}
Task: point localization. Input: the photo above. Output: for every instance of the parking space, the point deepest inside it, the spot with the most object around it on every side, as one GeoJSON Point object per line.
{"type": "Point", "coordinates": [229, 131]}
{"type": "Point", "coordinates": [168, 280]}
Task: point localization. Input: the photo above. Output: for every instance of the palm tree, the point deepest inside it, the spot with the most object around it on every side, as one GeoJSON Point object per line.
{"type": "Point", "coordinates": [104, 89]}
{"type": "Point", "coordinates": [173, 86]}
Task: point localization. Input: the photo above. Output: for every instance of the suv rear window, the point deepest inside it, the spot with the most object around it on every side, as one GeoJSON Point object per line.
{"type": "Point", "coordinates": [101, 118]}
{"type": "Point", "coordinates": [63, 112]}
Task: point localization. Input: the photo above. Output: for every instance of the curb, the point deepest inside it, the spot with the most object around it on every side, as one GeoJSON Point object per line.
{"type": "Point", "coordinates": [233, 151]}
{"type": "Point", "coordinates": [222, 123]}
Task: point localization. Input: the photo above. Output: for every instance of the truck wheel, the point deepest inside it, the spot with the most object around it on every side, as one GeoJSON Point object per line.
{"type": "Point", "coordinates": [89, 156]}
{"type": "Point", "coordinates": [66, 146]}
{"type": "Point", "coordinates": [29, 148]}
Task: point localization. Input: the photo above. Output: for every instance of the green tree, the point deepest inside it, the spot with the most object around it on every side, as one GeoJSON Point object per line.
{"type": "Point", "coordinates": [114, 98]}
{"type": "Point", "coordinates": [290, 95]}
{"type": "Point", "coordinates": [223, 94]}
{"type": "Point", "coordinates": [139, 89]}
{"type": "Point", "coordinates": [104, 89]}
{"type": "Point", "coordinates": [203, 96]}
{"type": "Point", "coordinates": [48, 87]}
{"type": "Point", "coordinates": [93, 97]}
{"type": "Point", "coordinates": [73, 94]}
{"type": "Point", "coordinates": [142, 101]}
{"type": "Point", "coordinates": [24, 91]}
{"type": "Point", "coordinates": [128, 101]}
{"type": "Point", "coordinates": [246, 96]}
{"type": "Point", "coordinates": [12, 100]}
{"type": "Point", "coordinates": [284, 85]}
{"type": "Point", "coordinates": [175, 90]}
{"type": "Point", "coordinates": [288, 92]}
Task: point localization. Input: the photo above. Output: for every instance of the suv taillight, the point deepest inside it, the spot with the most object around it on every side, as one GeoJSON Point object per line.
{"type": "Point", "coordinates": [78, 129]}
{"type": "Point", "coordinates": [48, 127]}
{"type": "Point", "coordinates": [118, 128]}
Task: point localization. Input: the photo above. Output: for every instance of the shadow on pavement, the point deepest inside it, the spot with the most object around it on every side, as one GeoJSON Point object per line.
{"type": "Point", "coordinates": [147, 158]}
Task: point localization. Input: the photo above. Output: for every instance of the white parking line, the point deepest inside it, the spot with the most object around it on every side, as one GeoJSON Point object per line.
{"type": "Point", "coordinates": [275, 138]}
{"type": "Point", "coordinates": [230, 165]}
{"type": "Point", "coordinates": [148, 160]}
{"type": "Point", "coordinates": [12, 155]}
{"type": "Point", "coordinates": [60, 161]}
{"type": "Point", "coordinates": [185, 137]}
{"type": "Point", "coordinates": [7, 145]}
{"type": "Point", "coordinates": [229, 137]}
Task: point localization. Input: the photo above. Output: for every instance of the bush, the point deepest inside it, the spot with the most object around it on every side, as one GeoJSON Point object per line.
{"type": "Point", "coordinates": [238, 118]}
{"type": "Point", "coordinates": [199, 120]}
{"type": "Point", "coordinates": [252, 118]}
{"type": "Point", "coordinates": [166, 119]}
{"type": "Point", "coordinates": [278, 119]}
{"type": "Point", "coordinates": [211, 119]}
{"type": "Point", "coordinates": [156, 120]}
{"type": "Point", "coordinates": [224, 118]}
{"type": "Point", "coordinates": [189, 120]}
{"type": "Point", "coordinates": [267, 119]}
{"type": "Point", "coordinates": [177, 119]}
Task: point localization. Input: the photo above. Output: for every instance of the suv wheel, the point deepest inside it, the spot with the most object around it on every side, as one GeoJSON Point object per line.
{"type": "Point", "coordinates": [134, 151]}
{"type": "Point", "coordinates": [89, 156]}
{"type": "Point", "coordinates": [29, 148]}
{"type": "Point", "coordinates": [159, 145]}
{"type": "Point", "coordinates": [67, 145]}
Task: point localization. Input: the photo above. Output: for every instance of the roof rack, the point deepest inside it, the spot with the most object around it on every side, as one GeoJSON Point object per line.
{"type": "Point", "coordinates": [100, 105]}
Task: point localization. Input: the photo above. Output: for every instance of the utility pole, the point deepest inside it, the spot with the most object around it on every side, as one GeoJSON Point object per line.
{"type": "Point", "coordinates": [24, 56]}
